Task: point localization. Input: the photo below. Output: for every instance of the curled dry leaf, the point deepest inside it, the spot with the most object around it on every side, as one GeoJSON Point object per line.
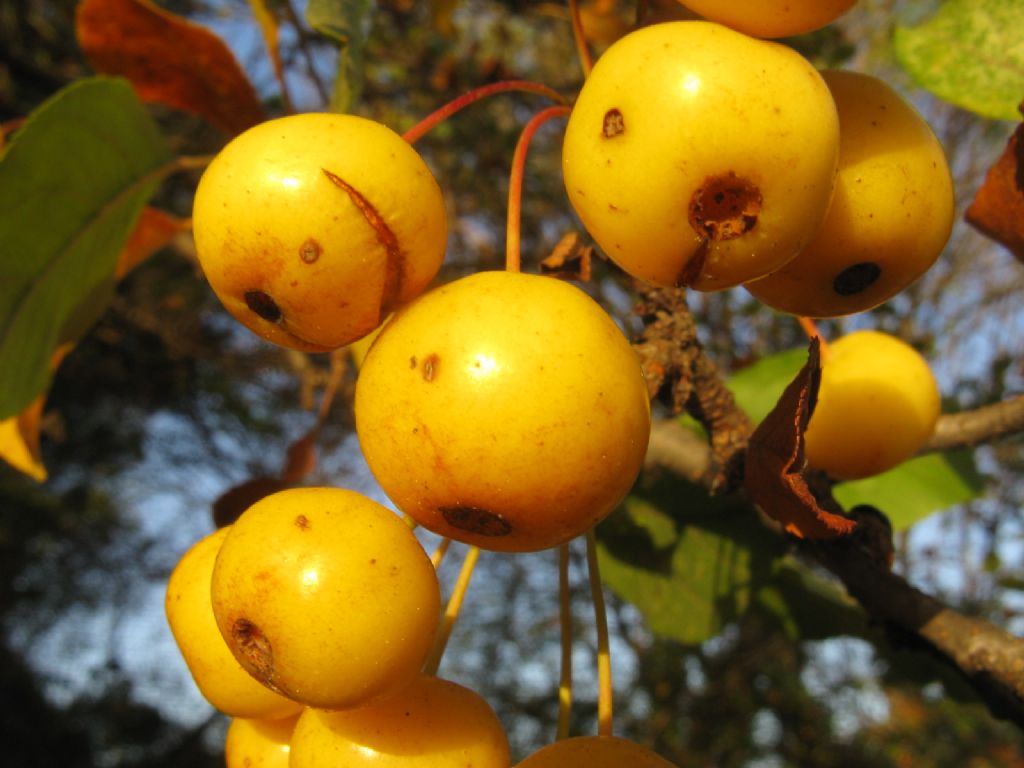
{"type": "Point", "coordinates": [775, 461]}
{"type": "Point", "coordinates": [998, 207]}
{"type": "Point", "coordinates": [168, 60]}
{"type": "Point", "coordinates": [301, 458]}
{"type": "Point", "coordinates": [234, 501]}
{"type": "Point", "coordinates": [569, 259]}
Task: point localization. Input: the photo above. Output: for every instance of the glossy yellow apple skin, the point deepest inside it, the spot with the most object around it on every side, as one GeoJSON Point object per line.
{"type": "Point", "coordinates": [504, 410]}
{"type": "Point", "coordinates": [325, 596]}
{"type": "Point", "coordinates": [771, 18]}
{"type": "Point", "coordinates": [301, 260]}
{"type": "Point", "coordinates": [891, 214]}
{"type": "Point", "coordinates": [696, 155]}
{"type": "Point", "coordinates": [433, 723]}
{"type": "Point", "coordinates": [259, 743]}
{"type": "Point", "coordinates": [595, 752]}
{"type": "Point", "coordinates": [220, 678]}
{"type": "Point", "coordinates": [877, 406]}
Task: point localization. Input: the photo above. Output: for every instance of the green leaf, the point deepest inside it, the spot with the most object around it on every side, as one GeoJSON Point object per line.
{"type": "Point", "coordinates": [808, 606]}
{"type": "Point", "coordinates": [916, 488]}
{"type": "Point", "coordinates": [758, 387]}
{"type": "Point", "coordinates": [689, 562]}
{"type": "Point", "coordinates": [970, 53]}
{"type": "Point", "coordinates": [72, 184]}
{"type": "Point", "coordinates": [347, 22]}
{"type": "Point", "coordinates": [908, 493]}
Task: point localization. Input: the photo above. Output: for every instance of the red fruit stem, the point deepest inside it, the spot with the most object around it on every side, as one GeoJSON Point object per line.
{"type": "Point", "coordinates": [586, 60]}
{"type": "Point", "coordinates": [441, 114]}
{"type": "Point", "coordinates": [565, 620]}
{"type": "Point", "coordinates": [813, 333]}
{"type": "Point", "coordinates": [513, 258]}
{"type": "Point", "coordinates": [604, 659]}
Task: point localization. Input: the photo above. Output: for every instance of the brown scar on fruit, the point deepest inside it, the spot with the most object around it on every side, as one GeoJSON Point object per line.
{"type": "Point", "coordinates": [263, 305]}
{"type": "Point", "coordinates": [254, 649]}
{"type": "Point", "coordinates": [309, 251]}
{"type": "Point", "coordinates": [302, 523]}
{"type": "Point", "coordinates": [613, 124]}
{"type": "Point", "coordinates": [430, 365]}
{"type": "Point", "coordinates": [725, 207]}
{"type": "Point", "coordinates": [856, 278]}
{"type": "Point", "coordinates": [476, 520]}
{"type": "Point", "coordinates": [693, 268]}
{"type": "Point", "coordinates": [395, 268]}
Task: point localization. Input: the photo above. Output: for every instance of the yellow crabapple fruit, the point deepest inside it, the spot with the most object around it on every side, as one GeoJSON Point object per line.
{"type": "Point", "coordinates": [891, 214]}
{"type": "Point", "coordinates": [595, 752]}
{"type": "Point", "coordinates": [696, 155]}
{"type": "Point", "coordinates": [432, 723]}
{"type": "Point", "coordinates": [877, 406]}
{"type": "Point", "coordinates": [504, 410]}
{"type": "Point", "coordinates": [259, 743]}
{"type": "Point", "coordinates": [311, 228]}
{"type": "Point", "coordinates": [220, 678]}
{"type": "Point", "coordinates": [771, 18]}
{"type": "Point", "coordinates": [325, 596]}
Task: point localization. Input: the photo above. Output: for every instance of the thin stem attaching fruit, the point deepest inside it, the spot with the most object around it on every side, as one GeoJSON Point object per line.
{"type": "Point", "coordinates": [565, 619]}
{"type": "Point", "coordinates": [334, 377]}
{"type": "Point", "coordinates": [441, 114]}
{"type": "Point", "coordinates": [586, 60]}
{"type": "Point", "coordinates": [604, 659]}
{"type": "Point", "coordinates": [812, 332]}
{"type": "Point", "coordinates": [440, 552]}
{"type": "Point", "coordinates": [451, 612]}
{"type": "Point", "coordinates": [513, 259]}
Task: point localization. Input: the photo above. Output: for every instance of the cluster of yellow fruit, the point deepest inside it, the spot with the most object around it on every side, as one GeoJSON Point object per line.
{"type": "Point", "coordinates": [310, 618]}
{"type": "Point", "coordinates": [695, 155]}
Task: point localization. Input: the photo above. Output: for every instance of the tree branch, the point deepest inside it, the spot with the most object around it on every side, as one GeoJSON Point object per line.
{"type": "Point", "coordinates": [677, 369]}
{"type": "Point", "coordinates": [990, 658]}
{"type": "Point", "coordinates": [981, 425]}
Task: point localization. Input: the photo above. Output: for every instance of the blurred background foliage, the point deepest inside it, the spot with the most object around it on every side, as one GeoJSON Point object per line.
{"type": "Point", "coordinates": [167, 403]}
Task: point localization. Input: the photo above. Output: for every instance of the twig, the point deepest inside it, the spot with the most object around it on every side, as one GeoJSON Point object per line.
{"type": "Point", "coordinates": [678, 370]}
{"type": "Point", "coordinates": [991, 659]}
{"type": "Point", "coordinates": [981, 425]}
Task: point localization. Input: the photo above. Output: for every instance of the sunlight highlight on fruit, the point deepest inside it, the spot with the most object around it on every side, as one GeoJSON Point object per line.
{"type": "Point", "coordinates": [312, 227]}
{"type": "Point", "coordinates": [505, 410]}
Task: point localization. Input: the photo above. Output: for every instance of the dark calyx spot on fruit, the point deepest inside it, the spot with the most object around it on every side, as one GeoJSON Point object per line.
{"type": "Point", "coordinates": [430, 365]}
{"type": "Point", "coordinates": [309, 251]}
{"type": "Point", "coordinates": [254, 649]}
{"type": "Point", "coordinates": [725, 207]}
{"type": "Point", "coordinates": [395, 269]}
{"type": "Point", "coordinates": [856, 278]}
{"type": "Point", "coordinates": [263, 305]}
{"type": "Point", "coordinates": [302, 523]}
{"type": "Point", "coordinates": [476, 520]}
{"type": "Point", "coordinates": [613, 125]}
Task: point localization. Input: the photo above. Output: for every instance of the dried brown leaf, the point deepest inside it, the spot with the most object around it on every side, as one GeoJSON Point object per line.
{"type": "Point", "coordinates": [169, 60]}
{"type": "Point", "coordinates": [569, 259]}
{"type": "Point", "coordinates": [234, 501]}
{"type": "Point", "coordinates": [301, 458]}
{"type": "Point", "coordinates": [998, 208]}
{"type": "Point", "coordinates": [153, 231]}
{"type": "Point", "coordinates": [775, 461]}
